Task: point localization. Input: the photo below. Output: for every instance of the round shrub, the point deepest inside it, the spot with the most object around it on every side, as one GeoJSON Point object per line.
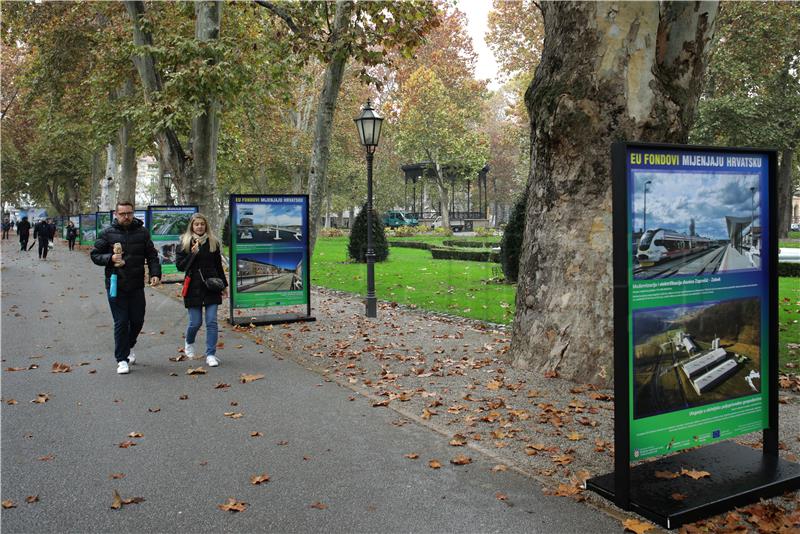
{"type": "Point", "coordinates": [511, 245]}
{"type": "Point", "coordinates": [357, 249]}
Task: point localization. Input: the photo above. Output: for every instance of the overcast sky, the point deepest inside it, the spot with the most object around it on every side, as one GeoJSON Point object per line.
{"type": "Point", "coordinates": [674, 198]}
{"type": "Point", "coordinates": [477, 12]}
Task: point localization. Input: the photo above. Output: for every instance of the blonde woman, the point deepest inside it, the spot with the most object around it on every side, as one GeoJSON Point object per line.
{"type": "Point", "coordinates": [200, 257]}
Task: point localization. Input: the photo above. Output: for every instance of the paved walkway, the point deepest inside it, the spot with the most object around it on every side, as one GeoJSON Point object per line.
{"type": "Point", "coordinates": [335, 463]}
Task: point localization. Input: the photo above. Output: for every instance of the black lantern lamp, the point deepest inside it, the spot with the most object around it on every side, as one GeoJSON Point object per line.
{"type": "Point", "coordinates": [369, 130]}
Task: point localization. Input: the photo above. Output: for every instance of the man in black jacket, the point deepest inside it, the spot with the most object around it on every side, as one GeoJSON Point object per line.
{"type": "Point", "coordinates": [128, 305]}
{"type": "Point", "coordinates": [45, 232]}
{"type": "Point", "coordinates": [24, 232]}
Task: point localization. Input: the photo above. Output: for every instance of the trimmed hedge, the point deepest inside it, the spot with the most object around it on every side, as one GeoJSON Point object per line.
{"type": "Point", "coordinates": [357, 248]}
{"type": "Point", "coordinates": [511, 246]}
{"type": "Point", "coordinates": [466, 243]}
{"type": "Point", "coordinates": [411, 244]}
{"type": "Point", "coordinates": [466, 255]}
{"type": "Point", "coordinates": [789, 269]}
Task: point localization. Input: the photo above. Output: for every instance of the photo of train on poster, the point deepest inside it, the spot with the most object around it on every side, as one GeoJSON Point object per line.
{"type": "Point", "coordinates": [269, 251]}
{"type": "Point", "coordinates": [166, 224]}
{"type": "Point", "coordinates": [697, 298]}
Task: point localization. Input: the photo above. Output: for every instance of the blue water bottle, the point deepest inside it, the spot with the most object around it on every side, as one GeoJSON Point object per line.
{"type": "Point", "coordinates": [112, 289]}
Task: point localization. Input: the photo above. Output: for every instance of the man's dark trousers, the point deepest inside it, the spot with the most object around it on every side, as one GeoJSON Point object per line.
{"type": "Point", "coordinates": [23, 242]}
{"type": "Point", "coordinates": [43, 247]}
{"type": "Point", "coordinates": [127, 308]}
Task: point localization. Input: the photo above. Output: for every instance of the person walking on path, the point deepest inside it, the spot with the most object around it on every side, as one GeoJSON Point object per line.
{"type": "Point", "coordinates": [200, 257]}
{"type": "Point", "coordinates": [24, 232]}
{"type": "Point", "coordinates": [123, 248]}
{"type": "Point", "coordinates": [6, 228]}
{"type": "Point", "coordinates": [42, 232]}
{"type": "Point", "coordinates": [72, 235]}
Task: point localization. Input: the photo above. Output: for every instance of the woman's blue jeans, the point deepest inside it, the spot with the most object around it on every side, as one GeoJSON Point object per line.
{"type": "Point", "coordinates": [212, 329]}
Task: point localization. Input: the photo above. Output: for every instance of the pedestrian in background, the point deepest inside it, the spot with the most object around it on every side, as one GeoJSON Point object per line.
{"type": "Point", "coordinates": [24, 231]}
{"type": "Point", "coordinates": [124, 277]}
{"type": "Point", "coordinates": [72, 235]}
{"type": "Point", "coordinates": [6, 228]}
{"type": "Point", "coordinates": [41, 231]}
{"type": "Point", "coordinates": [200, 257]}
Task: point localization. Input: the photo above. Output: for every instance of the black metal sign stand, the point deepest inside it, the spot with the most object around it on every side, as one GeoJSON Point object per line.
{"type": "Point", "coordinates": [739, 475]}
{"type": "Point", "coordinates": [262, 318]}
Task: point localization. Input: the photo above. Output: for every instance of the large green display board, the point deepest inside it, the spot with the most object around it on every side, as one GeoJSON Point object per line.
{"type": "Point", "coordinates": [166, 224]}
{"type": "Point", "coordinates": [87, 229]}
{"type": "Point", "coordinates": [269, 250]}
{"type": "Point", "coordinates": [103, 221]}
{"type": "Point", "coordinates": [698, 296]}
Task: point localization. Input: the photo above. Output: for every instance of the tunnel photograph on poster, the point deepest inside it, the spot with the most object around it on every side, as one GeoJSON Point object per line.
{"type": "Point", "coordinates": [698, 296]}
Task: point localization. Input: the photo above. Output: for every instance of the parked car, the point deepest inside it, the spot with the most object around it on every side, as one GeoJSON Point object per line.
{"type": "Point", "coordinates": [395, 219]}
{"type": "Point", "coordinates": [795, 227]}
{"type": "Point", "coordinates": [455, 225]}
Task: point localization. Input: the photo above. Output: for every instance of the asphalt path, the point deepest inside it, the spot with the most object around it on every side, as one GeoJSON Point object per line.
{"type": "Point", "coordinates": [321, 443]}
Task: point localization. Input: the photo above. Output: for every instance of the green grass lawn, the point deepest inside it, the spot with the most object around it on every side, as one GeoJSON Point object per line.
{"type": "Point", "coordinates": [463, 288]}
{"type": "Point", "coordinates": [789, 322]}
{"type": "Point", "coordinates": [410, 276]}
{"type": "Point", "coordinates": [789, 244]}
{"type": "Point", "coordinates": [794, 235]}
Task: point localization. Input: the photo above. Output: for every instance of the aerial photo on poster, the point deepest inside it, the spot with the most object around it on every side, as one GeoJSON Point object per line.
{"type": "Point", "coordinates": [88, 228]}
{"type": "Point", "coordinates": [103, 220]}
{"type": "Point", "coordinates": [690, 356]}
{"type": "Point", "coordinates": [270, 223]}
{"type": "Point", "coordinates": [274, 271]}
{"type": "Point", "coordinates": [166, 226]}
{"type": "Point", "coordinates": [686, 226]}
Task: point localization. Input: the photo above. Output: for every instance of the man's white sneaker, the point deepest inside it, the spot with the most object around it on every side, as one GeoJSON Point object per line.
{"type": "Point", "coordinates": [188, 350]}
{"type": "Point", "coordinates": [131, 358]}
{"type": "Point", "coordinates": [122, 368]}
{"type": "Point", "coordinates": [212, 361]}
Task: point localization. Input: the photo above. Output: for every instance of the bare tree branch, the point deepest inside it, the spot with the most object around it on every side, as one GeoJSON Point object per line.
{"type": "Point", "coordinates": [283, 15]}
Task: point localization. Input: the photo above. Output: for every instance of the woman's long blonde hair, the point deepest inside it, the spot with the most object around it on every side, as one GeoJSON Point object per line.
{"type": "Point", "coordinates": [186, 238]}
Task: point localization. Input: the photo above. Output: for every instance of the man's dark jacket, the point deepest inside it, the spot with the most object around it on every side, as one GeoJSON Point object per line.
{"type": "Point", "coordinates": [45, 232]}
{"type": "Point", "coordinates": [23, 229]}
{"type": "Point", "coordinates": [136, 248]}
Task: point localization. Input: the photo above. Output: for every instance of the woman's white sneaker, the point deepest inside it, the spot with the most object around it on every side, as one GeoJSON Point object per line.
{"type": "Point", "coordinates": [188, 350]}
{"type": "Point", "coordinates": [122, 368]}
{"type": "Point", "coordinates": [212, 361]}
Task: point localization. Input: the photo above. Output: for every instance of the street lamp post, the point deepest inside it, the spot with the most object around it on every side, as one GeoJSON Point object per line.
{"type": "Point", "coordinates": [644, 223]}
{"type": "Point", "coordinates": [368, 124]}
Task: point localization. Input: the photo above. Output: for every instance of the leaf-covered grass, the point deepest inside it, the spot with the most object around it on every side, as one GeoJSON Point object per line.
{"type": "Point", "coordinates": [789, 244]}
{"type": "Point", "coordinates": [789, 323]}
{"type": "Point", "coordinates": [794, 235]}
{"type": "Point", "coordinates": [412, 277]}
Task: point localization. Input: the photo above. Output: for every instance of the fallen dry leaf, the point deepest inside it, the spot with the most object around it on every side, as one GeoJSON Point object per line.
{"type": "Point", "coordinates": [183, 397]}
{"type": "Point", "coordinates": [458, 440]}
{"type": "Point", "coordinates": [678, 496]}
{"type": "Point", "coordinates": [232, 505]}
{"type": "Point", "coordinates": [30, 499]}
{"type": "Point", "coordinates": [135, 435]}
{"type": "Point", "coordinates": [60, 368]}
{"type": "Point", "coordinates": [197, 371]}
{"type": "Point", "coordinates": [154, 410]}
{"type": "Point", "coordinates": [426, 413]}
{"type": "Point", "coordinates": [46, 458]}
{"type": "Point", "coordinates": [41, 398]}
{"type": "Point", "coordinates": [696, 475]}
{"type": "Point", "coordinates": [245, 378]}
{"type": "Point", "coordinates": [319, 506]}
{"type": "Point", "coordinates": [639, 527]}
{"type": "Point", "coordinates": [499, 468]}
{"type": "Point", "coordinates": [379, 404]}
{"type": "Point", "coordinates": [117, 476]}
{"type": "Point", "coordinates": [234, 415]}
{"type": "Point", "coordinates": [667, 475]}
{"type": "Point", "coordinates": [461, 459]}
{"type": "Point", "coordinates": [11, 402]}
{"type": "Point", "coordinates": [434, 464]}
{"type": "Point", "coordinates": [574, 436]}
{"type": "Point", "coordinates": [222, 385]}
{"type": "Point", "coordinates": [126, 444]}
{"type": "Point", "coordinates": [119, 501]}
{"type": "Point", "coordinates": [13, 369]}
{"type": "Point", "coordinates": [256, 434]}
{"type": "Point", "coordinates": [8, 503]}
{"type": "Point", "coordinates": [258, 479]}
{"type": "Point", "coordinates": [501, 496]}
{"type": "Point", "coordinates": [411, 456]}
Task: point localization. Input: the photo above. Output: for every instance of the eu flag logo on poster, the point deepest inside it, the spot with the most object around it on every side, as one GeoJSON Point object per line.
{"type": "Point", "coordinates": [715, 434]}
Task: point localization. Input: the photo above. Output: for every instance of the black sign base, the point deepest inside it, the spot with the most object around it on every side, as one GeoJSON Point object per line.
{"type": "Point", "coordinates": [259, 320]}
{"type": "Point", "coordinates": [739, 476]}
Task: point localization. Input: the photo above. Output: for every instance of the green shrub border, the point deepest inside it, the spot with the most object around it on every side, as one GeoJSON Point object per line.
{"type": "Point", "coordinates": [410, 244]}
{"type": "Point", "coordinates": [470, 244]}
{"type": "Point", "coordinates": [789, 269]}
{"type": "Point", "coordinates": [466, 255]}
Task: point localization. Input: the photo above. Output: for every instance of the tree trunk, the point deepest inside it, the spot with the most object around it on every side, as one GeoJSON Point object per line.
{"type": "Point", "coordinates": [785, 191]}
{"type": "Point", "coordinates": [202, 189]}
{"type": "Point", "coordinates": [108, 180]}
{"type": "Point", "coordinates": [444, 197]}
{"type": "Point", "coordinates": [320, 152]}
{"type": "Point", "coordinates": [609, 71]}
{"type": "Point", "coordinates": [97, 176]}
{"type": "Point", "coordinates": [127, 174]}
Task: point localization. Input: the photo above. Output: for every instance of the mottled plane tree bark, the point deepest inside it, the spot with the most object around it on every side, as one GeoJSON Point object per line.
{"type": "Point", "coordinates": [610, 71]}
